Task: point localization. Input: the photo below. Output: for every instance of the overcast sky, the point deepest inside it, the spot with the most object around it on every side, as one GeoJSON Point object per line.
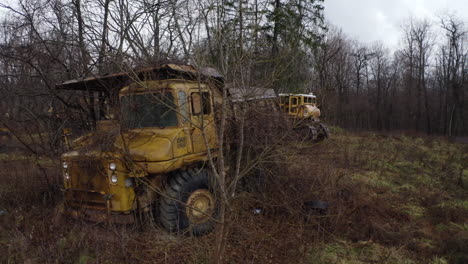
{"type": "Point", "coordinates": [378, 20]}
{"type": "Point", "coordinates": [372, 20]}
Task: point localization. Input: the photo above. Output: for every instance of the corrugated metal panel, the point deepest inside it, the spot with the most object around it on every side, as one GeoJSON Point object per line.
{"type": "Point", "coordinates": [250, 93]}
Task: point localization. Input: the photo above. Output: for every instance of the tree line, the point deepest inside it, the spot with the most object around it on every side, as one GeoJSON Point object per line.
{"type": "Point", "coordinates": [421, 86]}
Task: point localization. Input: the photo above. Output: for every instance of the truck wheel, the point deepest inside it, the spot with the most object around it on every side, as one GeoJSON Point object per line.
{"type": "Point", "coordinates": [323, 133]}
{"type": "Point", "coordinates": [306, 133]}
{"type": "Point", "coordinates": [189, 203]}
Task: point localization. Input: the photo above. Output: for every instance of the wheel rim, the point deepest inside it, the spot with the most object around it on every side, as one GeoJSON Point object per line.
{"type": "Point", "coordinates": [200, 206]}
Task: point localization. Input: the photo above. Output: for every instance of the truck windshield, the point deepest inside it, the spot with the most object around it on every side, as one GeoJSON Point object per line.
{"type": "Point", "coordinates": [148, 110]}
{"type": "Point", "coordinates": [284, 99]}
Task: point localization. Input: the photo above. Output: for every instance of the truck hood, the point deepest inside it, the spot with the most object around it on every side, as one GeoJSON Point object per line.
{"type": "Point", "coordinates": [150, 145]}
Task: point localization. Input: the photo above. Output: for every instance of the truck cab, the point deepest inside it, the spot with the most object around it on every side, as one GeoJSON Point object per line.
{"type": "Point", "coordinates": [300, 105]}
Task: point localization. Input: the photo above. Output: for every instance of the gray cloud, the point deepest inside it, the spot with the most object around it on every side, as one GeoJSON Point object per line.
{"type": "Point", "coordinates": [380, 20]}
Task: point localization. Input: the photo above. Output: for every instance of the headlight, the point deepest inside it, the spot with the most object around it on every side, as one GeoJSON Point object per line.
{"type": "Point", "coordinates": [66, 176]}
{"type": "Point", "coordinates": [112, 166]}
{"type": "Point", "coordinates": [114, 179]}
{"type": "Point", "coordinates": [65, 165]}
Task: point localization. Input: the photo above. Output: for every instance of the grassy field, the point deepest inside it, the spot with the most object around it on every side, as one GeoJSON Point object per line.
{"type": "Point", "coordinates": [392, 199]}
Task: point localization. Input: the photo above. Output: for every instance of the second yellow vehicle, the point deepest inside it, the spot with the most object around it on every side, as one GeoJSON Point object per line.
{"type": "Point", "coordinates": [305, 114]}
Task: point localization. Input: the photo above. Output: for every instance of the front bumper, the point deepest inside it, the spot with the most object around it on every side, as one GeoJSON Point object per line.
{"type": "Point", "coordinates": [99, 216]}
{"type": "Point", "coordinates": [94, 206]}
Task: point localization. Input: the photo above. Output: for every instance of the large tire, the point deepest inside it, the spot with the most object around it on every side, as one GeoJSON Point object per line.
{"type": "Point", "coordinates": [189, 204]}
{"type": "Point", "coordinates": [306, 133]}
{"type": "Point", "coordinates": [323, 133]}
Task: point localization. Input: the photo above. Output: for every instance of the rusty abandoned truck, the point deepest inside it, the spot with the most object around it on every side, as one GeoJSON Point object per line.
{"type": "Point", "coordinates": [154, 159]}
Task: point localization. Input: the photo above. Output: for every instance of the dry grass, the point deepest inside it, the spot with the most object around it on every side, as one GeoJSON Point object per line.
{"type": "Point", "coordinates": [392, 199]}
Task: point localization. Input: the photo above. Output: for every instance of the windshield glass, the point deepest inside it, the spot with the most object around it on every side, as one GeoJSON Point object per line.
{"type": "Point", "coordinates": [148, 110]}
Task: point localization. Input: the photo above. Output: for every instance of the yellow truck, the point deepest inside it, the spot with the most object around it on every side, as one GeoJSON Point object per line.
{"type": "Point", "coordinates": [154, 159]}
{"type": "Point", "coordinates": [303, 110]}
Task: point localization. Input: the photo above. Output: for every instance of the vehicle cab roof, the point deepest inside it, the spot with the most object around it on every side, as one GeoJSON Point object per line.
{"type": "Point", "coordinates": [311, 95]}
{"type": "Point", "coordinates": [112, 83]}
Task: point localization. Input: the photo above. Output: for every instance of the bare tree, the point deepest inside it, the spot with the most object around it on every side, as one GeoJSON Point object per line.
{"type": "Point", "coordinates": [454, 59]}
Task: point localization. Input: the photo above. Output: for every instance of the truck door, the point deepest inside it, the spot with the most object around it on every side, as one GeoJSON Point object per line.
{"type": "Point", "coordinates": [294, 103]}
{"type": "Point", "coordinates": [184, 106]}
{"type": "Point", "coordinates": [202, 120]}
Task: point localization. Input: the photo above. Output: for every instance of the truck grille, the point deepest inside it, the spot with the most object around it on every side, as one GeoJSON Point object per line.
{"type": "Point", "coordinates": [88, 184]}
{"type": "Point", "coordinates": [89, 175]}
{"type": "Point", "coordinates": [86, 199]}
